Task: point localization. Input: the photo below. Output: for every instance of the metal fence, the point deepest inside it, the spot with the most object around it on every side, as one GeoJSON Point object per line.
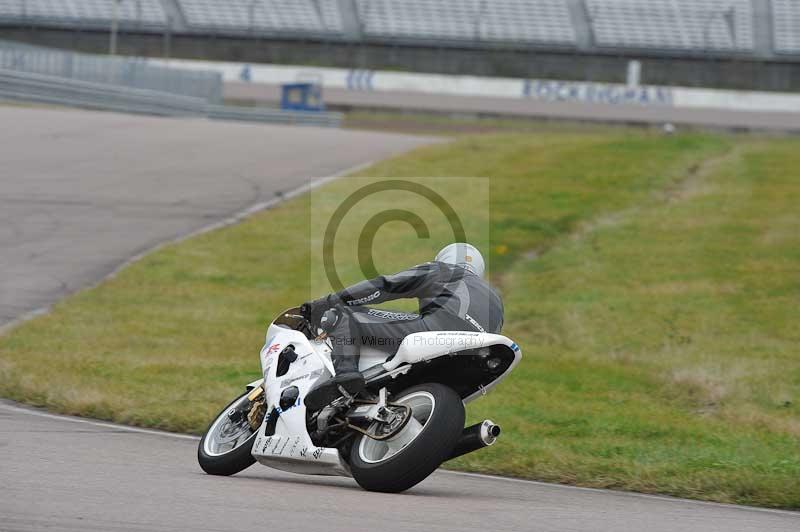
{"type": "Point", "coordinates": [30, 87]}
{"type": "Point", "coordinates": [121, 71]}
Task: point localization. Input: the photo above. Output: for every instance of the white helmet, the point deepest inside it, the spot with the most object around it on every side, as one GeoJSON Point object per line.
{"type": "Point", "coordinates": [464, 255]}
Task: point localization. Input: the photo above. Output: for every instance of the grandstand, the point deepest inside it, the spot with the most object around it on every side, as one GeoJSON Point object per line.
{"type": "Point", "coordinates": [276, 16]}
{"type": "Point", "coordinates": [786, 18]}
{"type": "Point", "coordinates": [675, 25]}
{"type": "Point", "coordinates": [510, 21]}
{"type": "Point", "coordinates": [717, 27]}
{"type": "Point", "coordinates": [742, 44]}
{"type": "Point", "coordinates": [84, 13]}
{"type": "Point", "coordinates": [547, 21]}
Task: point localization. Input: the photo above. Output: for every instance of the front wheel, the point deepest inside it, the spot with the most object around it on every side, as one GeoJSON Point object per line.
{"type": "Point", "coordinates": [418, 449]}
{"type": "Point", "coordinates": [225, 448]}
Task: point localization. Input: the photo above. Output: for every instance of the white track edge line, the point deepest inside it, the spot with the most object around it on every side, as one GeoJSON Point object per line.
{"type": "Point", "coordinates": [5, 405]}
{"type": "Point", "coordinates": [665, 498]}
{"type": "Point", "coordinates": [33, 411]}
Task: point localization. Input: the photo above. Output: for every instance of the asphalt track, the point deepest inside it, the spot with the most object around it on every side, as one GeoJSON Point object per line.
{"type": "Point", "coordinates": [80, 193]}
{"type": "Point", "coordinates": [68, 474]}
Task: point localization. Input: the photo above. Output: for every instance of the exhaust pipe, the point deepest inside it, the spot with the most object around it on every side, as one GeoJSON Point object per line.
{"type": "Point", "coordinates": [476, 437]}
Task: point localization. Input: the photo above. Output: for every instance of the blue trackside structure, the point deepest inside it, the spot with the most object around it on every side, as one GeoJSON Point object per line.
{"type": "Point", "coordinates": [302, 97]}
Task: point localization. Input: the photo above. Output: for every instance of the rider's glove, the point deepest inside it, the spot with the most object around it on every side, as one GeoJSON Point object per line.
{"type": "Point", "coordinates": [313, 310]}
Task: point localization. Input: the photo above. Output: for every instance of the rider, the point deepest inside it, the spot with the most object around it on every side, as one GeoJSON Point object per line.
{"type": "Point", "coordinates": [452, 295]}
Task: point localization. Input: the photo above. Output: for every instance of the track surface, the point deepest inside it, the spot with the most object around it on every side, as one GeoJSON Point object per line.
{"type": "Point", "coordinates": [82, 192]}
{"type": "Point", "coordinates": [65, 475]}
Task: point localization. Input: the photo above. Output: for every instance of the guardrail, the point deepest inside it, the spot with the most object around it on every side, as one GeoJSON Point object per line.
{"type": "Point", "coordinates": [133, 72]}
{"type": "Point", "coordinates": [27, 87]}
{"type": "Point", "coordinates": [254, 114]}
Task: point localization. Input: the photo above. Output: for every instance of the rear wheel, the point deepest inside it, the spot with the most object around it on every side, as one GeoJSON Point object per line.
{"type": "Point", "coordinates": [226, 446]}
{"type": "Point", "coordinates": [418, 449]}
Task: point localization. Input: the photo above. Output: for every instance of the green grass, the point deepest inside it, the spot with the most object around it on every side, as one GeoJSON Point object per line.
{"type": "Point", "coordinates": [454, 124]}
{"type": "Point", "coordinates": [651, 281]}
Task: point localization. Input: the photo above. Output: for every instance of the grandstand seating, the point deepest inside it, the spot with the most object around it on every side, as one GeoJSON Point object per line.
{"type": "Point", "coordinates": [149, 13]}
{"type": "Point", "coordinates": [447, 19]}
{"type": "Point", "coordinates": [676, 24]}
{"type": "Point", "coordinates": [671, 26]}
{"type": "Point", "coordinates": [542, 21]}
{"type": "Point", "coordinates": [310, 16]}
{"type": "Point", "coordinates": [786, 23]}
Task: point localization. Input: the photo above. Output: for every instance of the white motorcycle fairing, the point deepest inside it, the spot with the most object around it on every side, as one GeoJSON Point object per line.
{"type": "Point", "coordinates": [289, 447]}
{"type": "Point", "coordinates": [426, 346]}
{"type": "Point", "coordinates": [283, 441]}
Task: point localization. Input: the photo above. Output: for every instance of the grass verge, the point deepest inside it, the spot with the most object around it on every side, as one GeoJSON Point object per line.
{"type": "Point", "coordinates": [651, 282]}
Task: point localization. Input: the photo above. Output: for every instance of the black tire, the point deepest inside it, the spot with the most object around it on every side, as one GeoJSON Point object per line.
{"type": "Point", "coordinates": [232, 462]}
{"type": "Point", "coordinates": [424, 454]}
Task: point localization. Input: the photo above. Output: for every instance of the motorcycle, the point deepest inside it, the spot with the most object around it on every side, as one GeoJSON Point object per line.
{"type": "Point", "coordinates": [390, 436]}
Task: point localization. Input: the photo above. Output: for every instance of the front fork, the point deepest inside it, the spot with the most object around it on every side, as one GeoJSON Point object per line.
{"type": "Point", "coordinates": [254, 409]}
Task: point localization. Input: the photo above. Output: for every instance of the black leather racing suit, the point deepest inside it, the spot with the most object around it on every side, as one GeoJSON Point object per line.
{"type": "Point", "coordinates": [450, 298]}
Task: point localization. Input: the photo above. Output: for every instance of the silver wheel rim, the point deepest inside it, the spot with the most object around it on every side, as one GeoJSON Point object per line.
{"type": "Point", "coordinates": [422, 405]}
{"type": "Point", "coordinates": [225, 436]}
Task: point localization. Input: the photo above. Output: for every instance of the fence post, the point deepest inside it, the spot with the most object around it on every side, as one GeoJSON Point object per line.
{"type": "Point", "coordinates": [166, 50]}
{"type": "Point", "coordinates": [112, 45]}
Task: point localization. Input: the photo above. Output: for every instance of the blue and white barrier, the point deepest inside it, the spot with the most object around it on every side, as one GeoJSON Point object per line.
{"type": "Point", "coordinates": [540, 90]}
{"type": "Point", "coordinates": [360, 80]}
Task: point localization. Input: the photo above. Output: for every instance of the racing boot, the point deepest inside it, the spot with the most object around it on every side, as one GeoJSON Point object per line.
{"type": "Point", "coordinates": [347, 379]}
{"type": "Point", "coordinates": [323, 394]}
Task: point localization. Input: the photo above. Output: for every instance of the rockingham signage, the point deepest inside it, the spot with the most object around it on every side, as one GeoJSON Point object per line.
{"type": "Point", "coordinates": [566, 91]}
